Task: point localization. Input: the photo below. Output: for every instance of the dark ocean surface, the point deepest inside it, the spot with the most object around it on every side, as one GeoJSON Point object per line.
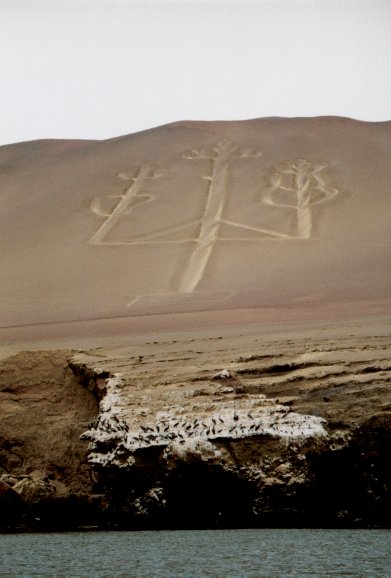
{"type": "Point", "coordinates": [225, 553]}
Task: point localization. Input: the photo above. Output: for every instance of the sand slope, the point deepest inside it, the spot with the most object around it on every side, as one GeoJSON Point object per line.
{"type": "Point", "coordinates": [269, 214]}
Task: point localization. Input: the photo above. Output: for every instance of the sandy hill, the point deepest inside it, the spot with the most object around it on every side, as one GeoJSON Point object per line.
{"type": "Point", "coordinates": [269, 214]}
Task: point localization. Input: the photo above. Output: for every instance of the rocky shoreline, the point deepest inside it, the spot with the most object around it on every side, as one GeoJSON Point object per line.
{"type": "Point", "coordinates": [198, 433]}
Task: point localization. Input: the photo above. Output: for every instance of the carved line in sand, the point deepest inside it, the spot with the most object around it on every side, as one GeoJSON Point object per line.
{"type": "Point", "coordinates": [298, 181]}
{"type": "Point", "coordinates": [220, 156]}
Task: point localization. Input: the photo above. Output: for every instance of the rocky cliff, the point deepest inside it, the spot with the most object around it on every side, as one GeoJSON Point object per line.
{"type": "Point", "coordinates": [209, 431]}
{"type": "Point", "coordinates": [45, 475]}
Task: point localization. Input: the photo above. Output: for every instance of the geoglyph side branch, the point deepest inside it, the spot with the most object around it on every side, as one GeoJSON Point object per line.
{"type": "Point", "coordinates": [303, 186]}
{"type": "Point", "coordinates": [130, 198]}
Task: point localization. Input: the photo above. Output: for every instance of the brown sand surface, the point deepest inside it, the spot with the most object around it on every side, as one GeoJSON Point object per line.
{"type": "Point", "coordinates": [196, 224]}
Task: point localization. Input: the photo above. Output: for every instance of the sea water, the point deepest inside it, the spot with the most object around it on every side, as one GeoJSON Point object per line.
{"type": "Point", "coordinates": [225, 553]}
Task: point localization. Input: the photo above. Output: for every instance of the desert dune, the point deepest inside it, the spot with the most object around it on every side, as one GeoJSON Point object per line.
{"type": "Point", "coordinates": [268, 214]}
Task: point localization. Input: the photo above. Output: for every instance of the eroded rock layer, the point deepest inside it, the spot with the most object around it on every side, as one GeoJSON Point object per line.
{"type": "Point", "coordinates": [278, 435]}
{"type": "Point", "coordinates": [44, 473]}
{"type": "Point", "coordinates": [208, 431]}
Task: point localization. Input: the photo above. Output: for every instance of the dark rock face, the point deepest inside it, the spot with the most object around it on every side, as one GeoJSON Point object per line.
{"type": "Point", "coordinates": [351, 485]}
{"type": "Point", "coordinates": [11, 507]}
{"type": "Point", "coordinates": [46, 479]}
{"type": "Point", "coordinates": [308, 486]}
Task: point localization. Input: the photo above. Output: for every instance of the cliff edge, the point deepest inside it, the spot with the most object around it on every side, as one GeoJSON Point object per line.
{"type": "Point", "coordinates": [214, 430]}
